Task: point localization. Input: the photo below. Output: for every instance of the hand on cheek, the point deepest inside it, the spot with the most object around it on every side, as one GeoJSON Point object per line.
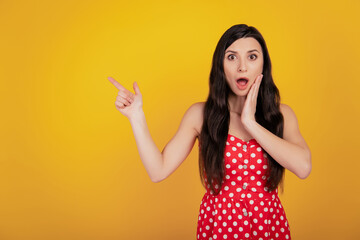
{"type": "Point", "coordinates": [248, 112]}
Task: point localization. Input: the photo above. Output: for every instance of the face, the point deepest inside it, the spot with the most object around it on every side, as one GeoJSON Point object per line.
{"type": "Point", "coordinates": [243, 59]}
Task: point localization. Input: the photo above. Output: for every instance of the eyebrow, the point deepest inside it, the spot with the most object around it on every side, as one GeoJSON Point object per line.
{"type": "Point", "coordinates": [248, 51]}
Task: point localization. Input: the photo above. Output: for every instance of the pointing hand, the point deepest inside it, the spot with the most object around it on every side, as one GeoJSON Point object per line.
{"type": "Point", "coordinates": [127, 102]}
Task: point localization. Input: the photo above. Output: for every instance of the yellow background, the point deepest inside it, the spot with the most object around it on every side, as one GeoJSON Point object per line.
{"type": "Point", "coordinates": [69, 166]}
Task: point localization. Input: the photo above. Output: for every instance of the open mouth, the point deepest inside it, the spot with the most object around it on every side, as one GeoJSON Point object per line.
{"type": "Point", "coordinates": [242, 81]}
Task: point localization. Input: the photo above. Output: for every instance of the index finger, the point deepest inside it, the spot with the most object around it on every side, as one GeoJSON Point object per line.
{"type": "Point", "coordinates": [116, 84]}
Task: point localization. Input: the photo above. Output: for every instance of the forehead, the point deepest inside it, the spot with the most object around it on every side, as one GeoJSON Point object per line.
{"type": "Point", "coordinates": [243, 45]}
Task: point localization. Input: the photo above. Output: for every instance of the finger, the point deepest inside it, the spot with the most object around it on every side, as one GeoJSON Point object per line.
{"type": "Point", "coordinates": [126, 96]}
{"type": "Point", "coordinates": [119, 108]}
{"type": "Point", "coordinates": [123, 100]}
{"type": "Point", "coordinates": [136, 88]}
{"type": "Point", "coordinates": [131, 95]}
{"type": "Point", "coordinates": [258, 85]}
{"type": "Point", "coordinates": [119, 104]}
{"type": "Point", "coordinates": [251, 91]}
{"type": "Point", "coordinates": [116, 84]}
{"type": "Point", "coordinates": [122, 104]}
{"type": "Point", "coordinates": [260, 78]}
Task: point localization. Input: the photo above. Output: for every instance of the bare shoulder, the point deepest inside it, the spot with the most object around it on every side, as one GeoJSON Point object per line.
{"type": "Point", "coordinates": [290, 120]}
{"type": "Point", "coordinates": [287, 111]}
{"type": "Point", "coordinates": [195, 114]}
{"type": "Point", "coordinates": [291, 126]}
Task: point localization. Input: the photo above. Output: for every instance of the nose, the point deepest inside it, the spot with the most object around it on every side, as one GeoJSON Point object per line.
{"type": "Point", "coordinates": [242, 67]}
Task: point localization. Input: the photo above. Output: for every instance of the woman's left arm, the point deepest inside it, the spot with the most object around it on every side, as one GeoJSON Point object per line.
{"type": "Point", "coordinates": [291, 151]}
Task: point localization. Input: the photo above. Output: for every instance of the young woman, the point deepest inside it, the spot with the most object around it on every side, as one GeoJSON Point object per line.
{"type": "Point", "coordinates": [246, 140]}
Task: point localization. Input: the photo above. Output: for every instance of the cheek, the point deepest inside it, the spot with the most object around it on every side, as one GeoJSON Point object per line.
{"type": "Point", "coordinates": [227, 72]}
{"type": "Point", "coordinates": [258, 68]}
{"type": "Point", "coordinates": [261, 67]}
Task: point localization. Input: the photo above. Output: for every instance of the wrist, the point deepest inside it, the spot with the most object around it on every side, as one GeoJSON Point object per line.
{"type": "Point", "coordinates": [248, 123]}
{"type": "Point", "coordinates": [137, 116]}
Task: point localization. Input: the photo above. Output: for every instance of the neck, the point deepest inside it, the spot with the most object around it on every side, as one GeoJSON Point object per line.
{"type": "Point", "coordinates": [236, 103]}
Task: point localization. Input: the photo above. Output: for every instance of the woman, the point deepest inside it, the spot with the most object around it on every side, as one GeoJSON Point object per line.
{"type": "Point", "coordinates": [246, 140]}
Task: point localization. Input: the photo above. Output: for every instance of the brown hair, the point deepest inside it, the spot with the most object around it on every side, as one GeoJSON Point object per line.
{"type": "Point", "coordinates": [216, 121]}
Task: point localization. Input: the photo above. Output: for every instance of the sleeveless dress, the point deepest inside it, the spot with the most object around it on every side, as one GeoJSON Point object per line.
{"type": "Point", "coordinates": [244, 208]}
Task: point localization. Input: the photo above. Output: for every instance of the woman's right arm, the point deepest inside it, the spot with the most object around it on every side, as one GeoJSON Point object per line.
{"type": "Point", "coordinates": [159, 165]}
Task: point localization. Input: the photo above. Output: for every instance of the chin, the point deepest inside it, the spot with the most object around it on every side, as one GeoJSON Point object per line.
{"type": "Point", "coordinates": [240, 93]}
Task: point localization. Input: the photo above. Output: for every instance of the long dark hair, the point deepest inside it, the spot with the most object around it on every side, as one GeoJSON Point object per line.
{"type": "Point", "coordinates": [216, 121]}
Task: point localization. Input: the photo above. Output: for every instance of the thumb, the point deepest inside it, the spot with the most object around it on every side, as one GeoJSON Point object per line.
{"type": "Point", "coordinates": [136, 88]}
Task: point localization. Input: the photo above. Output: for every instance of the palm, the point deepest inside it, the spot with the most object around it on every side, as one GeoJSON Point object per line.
{"type": "Point", "coordinates": [248, 112]}
{"type": "Point", "coordinates": [128, 111]}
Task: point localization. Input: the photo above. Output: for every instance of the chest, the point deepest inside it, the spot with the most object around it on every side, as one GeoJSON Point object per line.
{"type": "Point", "coordinates": [236, 128]}
{"type": "Point", "coordinates": [245, 156]}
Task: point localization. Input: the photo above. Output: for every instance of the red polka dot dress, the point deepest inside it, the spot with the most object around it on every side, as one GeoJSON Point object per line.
{"type": "Point", "coordinates": [244, 208]}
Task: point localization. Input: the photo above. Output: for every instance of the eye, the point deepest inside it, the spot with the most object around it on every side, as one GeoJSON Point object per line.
{"type": "Point", "coordinates": [229, 56]}
{"type": "Point", "coordinates": [253, 55]}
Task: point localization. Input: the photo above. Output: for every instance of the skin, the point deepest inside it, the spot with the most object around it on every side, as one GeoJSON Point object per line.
{"type": "Point", "coordinates": [241, 61]}
{"type": "Point", "coordinates": [243, 58]}
{"type": "Point", "coordinates": [291, 151]}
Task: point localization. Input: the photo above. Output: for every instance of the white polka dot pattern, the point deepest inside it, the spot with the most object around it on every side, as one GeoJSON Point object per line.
{"type": "Point", "coordinates": [244, 208]}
